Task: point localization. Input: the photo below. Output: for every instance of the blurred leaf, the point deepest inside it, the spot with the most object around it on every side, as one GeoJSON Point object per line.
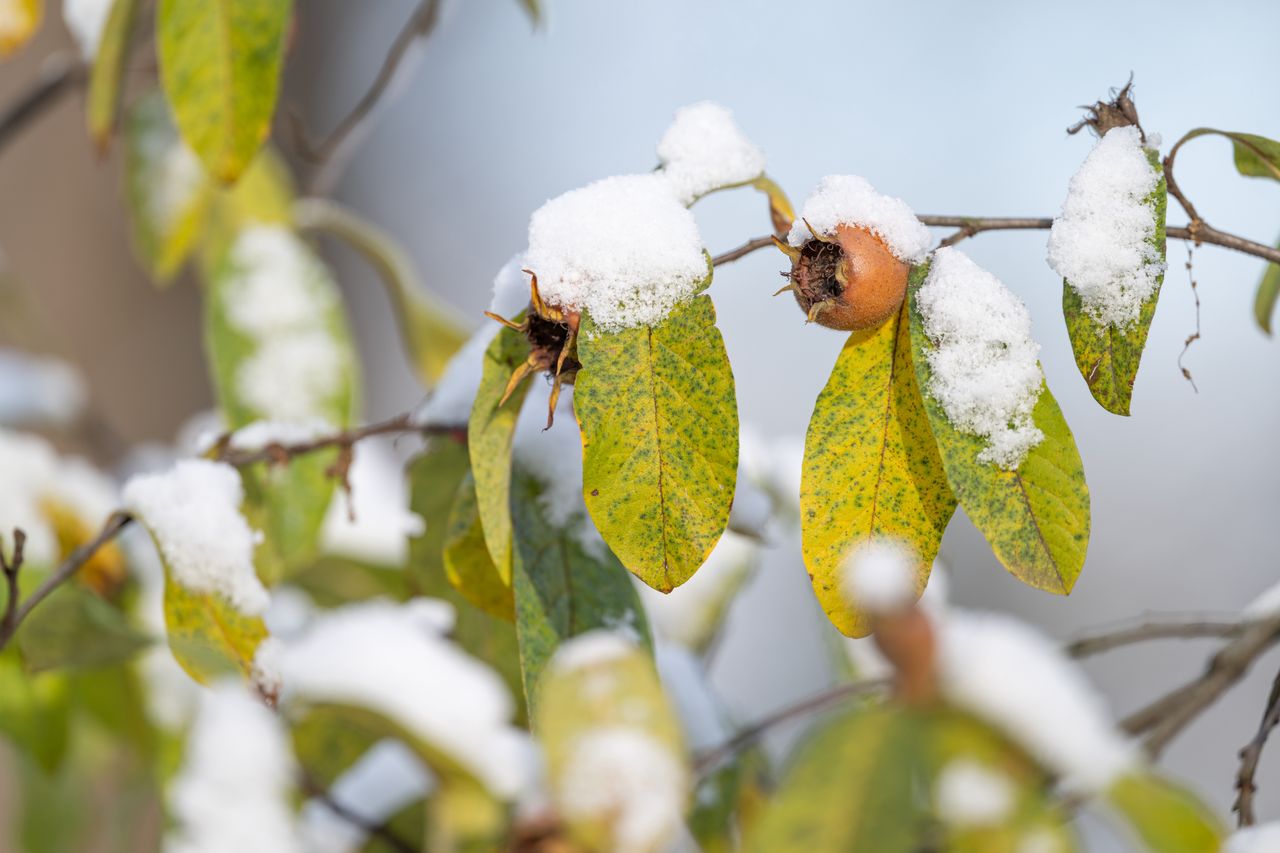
{"type": "Point", "coordinates": [1036, 518]}
{"type": "Point", "coordinates": [106, 77]}
{"type": "Point", "coordinates": [287, 503]}
{"type": "Point", "coordinates": [34, 711]}
{"type": "Point", "coordinates": [489, 435]}
{"type": "Point", "coordinates": [467, 562]}
{"type": "Point", "coordinates": [432, 331]}
{"type": "Point", "coordinates": [1264, 303]}
{"type": "Point", "coordinates": [76, 629]}
{"type": "Point", "coordinates": [1166, 817]}
{"type": "Point", "coordinates": [1107, 356]}
{"type": "Point", "coordinates": [434, 478]}
{"type": "Point", "coordinates": [563, 587]}
{"type": "Point", "coordinates": [115, 697]}
{"type": "Point", "coordinates": [220, 65]}
{"type": "Point", "coordinates": [610, 693]}
{"type": "Point", "coordinates": [167, 190]}
{"type": "Point", "coordinates": [533, 8]}
{"type": "Point", "coordinates": [659, 420]}
{"type": "Point", "coordinates": [333, 581]}
{"type": "Point", "coordinates": [21, 22]}
{"type": "Point", "coordinates": [871, 467]}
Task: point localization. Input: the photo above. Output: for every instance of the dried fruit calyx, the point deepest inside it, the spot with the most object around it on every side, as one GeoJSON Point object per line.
{"type": "Point", "coordinates": [552, 333]}
{"type": "Point", "coordinates": [849, 280]}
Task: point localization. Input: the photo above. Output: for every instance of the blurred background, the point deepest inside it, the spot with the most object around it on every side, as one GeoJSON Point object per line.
{"type": "Point", "coordinates": [956, 108]}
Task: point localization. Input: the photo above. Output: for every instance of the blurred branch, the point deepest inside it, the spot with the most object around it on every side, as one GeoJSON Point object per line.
{"type": "Point", "coordinates": [312, 787]}
{"type": "Point", "coordinates": [1252, 753]}
{"type": "Point", "coordinates": [1153, 630]}
{"type": "Point", "coordinates": [115, 523]}
{"type": "Point", "coordinates": [420, 25]}
{"type": "Point", "coordinates": [60, 74]}
{"type": "Point", "coordinates": [11, 569]}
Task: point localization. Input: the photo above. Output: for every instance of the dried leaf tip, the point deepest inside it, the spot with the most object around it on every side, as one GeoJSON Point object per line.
{"type": "Point", "coordinates": [1103, 116]}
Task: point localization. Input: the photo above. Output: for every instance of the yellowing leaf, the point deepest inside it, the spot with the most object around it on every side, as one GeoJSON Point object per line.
{"type": "Point", "coordinates": [19, 21]}
{"type": "Point", "coordinates": [871, 466]}
{"type": "Point", "coordinates": [489, 435]}
{"type": "Point", "coordinates": [659, 420]}
{"type": "Point", "coordinates": [220, 65]}
{"type": "Point", "coordinates": [1036, 518]}
{"type": "Point", "coordinates": [168, 192]}
{"type": "Point", "coordinates": [1108, 357]}
{"type": "Point", "coordinates": [1264, 302]}
{"type": "Point", "coordinates": [208, 636]}
{"type": "Point", "coordinates": [563, 587]}
{"type": "Point", "coordinates": [467, 561]}
{"type": "Point", "coordinates": [106, 78]}
{"type": "Point", "coordinates": [1166, 817]}
{"type": "Point", "coordinates": [1255, 156]}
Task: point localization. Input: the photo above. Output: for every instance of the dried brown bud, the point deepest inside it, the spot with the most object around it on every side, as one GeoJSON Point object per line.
{"type": "Point", "coordinates": [1120, 111]}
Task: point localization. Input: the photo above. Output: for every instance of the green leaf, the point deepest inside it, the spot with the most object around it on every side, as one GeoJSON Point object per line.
{"type": "Point", "coordinates": [431, 330]}
{"type": "Point", "coordinates": [1166, 817]}
{"type": "Point", "coordinates": [434, 478]}
{"type": "Point", "coordinates": [76, 629]}
{"type": "Point", "coordinates": [1264, 303]}
{"type": "Point", "coordinates": [533, 8]}
{"type": "Point", "coordinates": [659, 421]}
{"type": "Point", "coordinates": [563, 586]}
{"type": "Point", "coordinates": [1108, 356]}
{"type": "Point", "coordinates": [1036, 518]}
{"type": "Point", "coordinates": [168, 192]}
{"type": "Point", "coordinates": [1255, 156]}
{"type": "Point", "coordinates": [489, 434]}
{"type": "Point", "coordinates": [208, 636]}
{"type": "Point", "coordinates": [220, 65]}
{"type": "Point", "coordinates": [34, 711]}
{"type": "Point", "coordinates": [851, 788]}
{"type": "Point", "coordinates": [871, 467]}
{"type": "Point", "coordinates": [467, 562]}
{"type": "Point", "coordinates": [288, 503]}
{"type": "Point", "coordinates": [106, 78]}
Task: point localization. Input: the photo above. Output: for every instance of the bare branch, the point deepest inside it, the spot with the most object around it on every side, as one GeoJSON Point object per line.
{"type": "Point", "coordinates": [742, 251]}
{"type": "Point", "coordinates": [281, 454]}
{"type": "Point", "coordinates": [61, 74]}
{"type": "Point", "coordinates": [11, 569]}
{"type": "Point", "coordinates": [1153, 630]}
{"type": "Point", "coordinates": [313, 788]}
{"type": "Point", "coordinates": [1252, 753]}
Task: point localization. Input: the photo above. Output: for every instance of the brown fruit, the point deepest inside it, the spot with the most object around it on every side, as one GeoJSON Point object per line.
{"type": "Point", "coordinates": [849, 281]}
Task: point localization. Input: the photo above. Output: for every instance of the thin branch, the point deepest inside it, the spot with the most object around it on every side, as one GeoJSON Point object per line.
{"type": "Point", "coordinates": [60, 74]}
{"type": "Point", "coordinates": [420, 25]}
{"type": "Point", "coordinates": [1252, 753]}
{"type": "Point", "coordinates": [312, 787]}
{"type": "Point", "coordinates": [281, 453]}
{"type": "Point", "coordinates": [1155, 630]}
{"type": "Point", "coordinates": [742, 251]}
{"type": "Point", "coordinates": [11, 569]}
{"type": "Point", "coordinates": [712, 758]}
{"type": "Point", "coordinates": [117, 522]}
{"type": "Point", "coordinates": [1174, 190]}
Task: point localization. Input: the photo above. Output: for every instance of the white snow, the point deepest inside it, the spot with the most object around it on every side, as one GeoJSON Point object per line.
{"type": "Point", "coordinates": [1016, 679]}
{"type": "Point", "coordinates": [394, 660]}
{"type": "Point", "coordinates": [450, 402]}
{"type": "Point", "coordinates": [38, 390]}
{"type": "Point", "coordinates": [386, 779]}
{"type": "Point", "coordinates": [592, 649]}
{"type": "Point", "coordinates": [1101, 244]}
{"type": "Point", "coordinates": [851, 200]}
{"type": "Point", "coordinates": [967, 793]}
{"type": "Point", "coordinates": [553, 457]}
{"type": "Point", "coordinates": [687, 684]}
{"type": "Point", "coordinates": [380, 497]}
{"type": "Point", "coordinates": [259, 434]}
{"type": "Point", "coordinates": [169, 174]}
{"type": "Point", "coordinates": [624, 249]}
{"type": "Point", "coordinates": [985, 372]}
{"type": "Point", "coordinates": [281, 297]}
{"type": "Point", "coordinates": [193, 512]}
{"type": "Point", "coordinates": [86, 19]}
{"type": "Point", "coordinates": [1263, 838]}
{"type": "Point", "coordinates": [233, 790]}
{"type": "Point", "coordinates": [865, 657]}
{"type": "Point", "coordinates": [691, 613]}
{"type": "Point", "coordinates": [879, 576]}
{"type": "Point", "coordinates": [627, 779]}
{"type": "Point", "coordinates": [704, 150]}
{"type": "Point", "coordinates": [1265, 606]}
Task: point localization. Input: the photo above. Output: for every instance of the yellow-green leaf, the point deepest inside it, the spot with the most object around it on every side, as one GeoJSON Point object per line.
{"type": "Point", "coordinates": [563, 585]}
{"type": "Point", "coordinates": [871, 467]}
{"type": "Point", "coordinates": [1036, 517]}
{"type": "Point", "coordinates": [34, 711]}
{"type": "Point", "coordinates": [431, 330]}
{"type": "Point", "coordinates": [220, 65]}
{"type": "Point", "coordinates": [106, 78]}
{"type": "Point", "coordinates": [1168, 818]}
{"type": "Point", "coordinates": [168, 192]}
{"type": "Point", "coordinates": [1255, 156]}
{"type": "Point", "coordinates": [19, 21]}
{"type": "Point", "coordinates": [209, 637]}
{"type": "Point", "coordinates": [467, 561]}
{"type": "Point", "coordinates": [1264, 302]}
{"type": "Point", "coordinates": [489, 435]}
{"type": "Point", "coordinates": [659, 420]}
{"type": "Point", "coordinates": [1108, 356]}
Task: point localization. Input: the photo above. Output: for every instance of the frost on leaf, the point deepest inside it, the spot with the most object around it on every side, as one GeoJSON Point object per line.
{"type": "Point", "coordinates": [623, 249]}
{"type": "Point", "coordinates": [1103, 243]}
{"type": "Point", "coordinates": [851, 200]}
{"type": "Point", "coordinates": [704, 150]}
{"type": "Point", "coordinates": [983, 363]}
